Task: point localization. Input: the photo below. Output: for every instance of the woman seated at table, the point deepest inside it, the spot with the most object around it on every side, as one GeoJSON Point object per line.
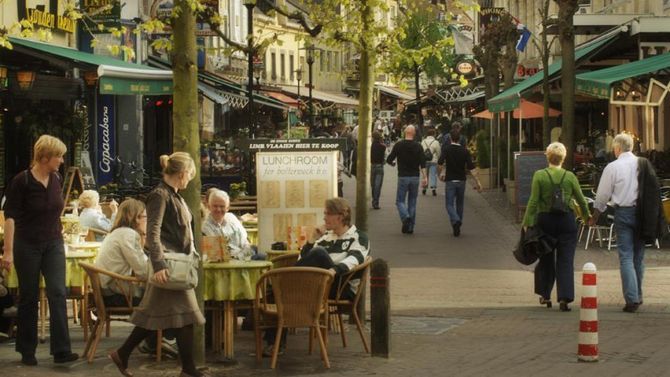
{"type": "Point", "coordinates": [122, 252]}
{"type": "Point", "coordinates": [91, 216]}
{"type": "Point", "coordinates": [220, 222]}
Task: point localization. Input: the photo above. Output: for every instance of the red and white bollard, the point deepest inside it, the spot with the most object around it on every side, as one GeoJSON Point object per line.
{"type": "Point", "coordinates": [588, 316]}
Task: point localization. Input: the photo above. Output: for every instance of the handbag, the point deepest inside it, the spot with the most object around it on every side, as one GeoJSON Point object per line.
{"type": "Point", "coordinates": [523, 254]}
{"type": "Point", "coordinates": [182, 271]}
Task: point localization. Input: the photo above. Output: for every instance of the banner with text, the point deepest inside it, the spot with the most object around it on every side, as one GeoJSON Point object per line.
{"type": "Point", "coordinates": [106, 137]}
{"type": "Point", "coordinates": [292, 188]}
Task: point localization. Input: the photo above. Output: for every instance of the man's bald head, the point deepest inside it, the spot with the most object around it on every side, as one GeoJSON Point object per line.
{"type": "Point", "coordinates": [410, 131]}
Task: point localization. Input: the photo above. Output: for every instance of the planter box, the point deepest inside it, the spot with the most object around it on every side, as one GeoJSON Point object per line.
{"type": "Point", "coordinates": [510, 188]}
{"type": "Point", "coordinates": [486, 178]}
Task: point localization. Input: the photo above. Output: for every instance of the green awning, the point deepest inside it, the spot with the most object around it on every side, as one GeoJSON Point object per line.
{"type": "Point", "coordinates": [509, 99]}
{"type": "Point", "coordinates": [598, 83]}
{"type": "Point", "coordinates": [116, 76]}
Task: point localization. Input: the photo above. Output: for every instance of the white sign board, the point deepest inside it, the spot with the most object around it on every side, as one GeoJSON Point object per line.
{"type": "Point", "coordinates": [292, 188]}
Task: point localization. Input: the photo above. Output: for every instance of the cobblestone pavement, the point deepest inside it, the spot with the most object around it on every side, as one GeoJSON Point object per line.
{"type": "Point", "coordinates": [461, 307]}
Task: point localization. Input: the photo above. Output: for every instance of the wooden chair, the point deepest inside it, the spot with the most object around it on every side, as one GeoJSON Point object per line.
{"type": "Point", "coordinates": [94, 233]}
{"type": "Point", "coordinates": [339, 305]}
{"type": "Point", "coordinates": [287, 260]}
{"type": "Point", "coordinates": [300, 300]}
{"type": "Point", "coordinates": [125, 284]}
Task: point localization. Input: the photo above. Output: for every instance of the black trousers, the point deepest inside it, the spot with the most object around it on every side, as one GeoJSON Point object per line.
{"type": "Point", "coordinates": [559, 265]}
{"type": "Point", "coordinates": [31, 260]}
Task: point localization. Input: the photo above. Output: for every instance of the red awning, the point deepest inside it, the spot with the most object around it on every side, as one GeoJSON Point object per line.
{"type": "Point", "coordinates": [283, 98]}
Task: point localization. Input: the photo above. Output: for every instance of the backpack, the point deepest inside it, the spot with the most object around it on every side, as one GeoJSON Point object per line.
{"type": "Point", "coordinates": [427, 154]}
{"type": "Point", "coordinates": [558, 205]}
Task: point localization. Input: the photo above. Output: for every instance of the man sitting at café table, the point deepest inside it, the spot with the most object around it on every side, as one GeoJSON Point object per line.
{"type": "Point", "coordinates": [220, 222]}
{"type": "Point", "coordinates": [92, 216]}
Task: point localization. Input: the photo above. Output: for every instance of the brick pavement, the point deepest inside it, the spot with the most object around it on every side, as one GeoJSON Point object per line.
{"type": "Point", "coordinates": [462, 307]}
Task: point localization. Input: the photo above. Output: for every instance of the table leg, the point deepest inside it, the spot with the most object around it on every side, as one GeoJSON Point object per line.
{"type": "Point", "coordinates": [84, 309]}
{"type": "Point", "coordinates": [229, 328]}
{"type": "Point", "coordinates": [216, 329]}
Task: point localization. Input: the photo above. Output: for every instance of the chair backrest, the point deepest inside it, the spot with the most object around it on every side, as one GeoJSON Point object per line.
{"type": "Point", "coordinates": [94, 235]}
{"type": "Point", "coordinates": [666, 209]}
{"type": "Point", "coordinates": [300, 293]}
{"type": "Point", "coordinates": [360, 273]}
{"type": "Point", "coordinates": [94, 280]}
{"type": "Point", "coordinates": [287, 260]}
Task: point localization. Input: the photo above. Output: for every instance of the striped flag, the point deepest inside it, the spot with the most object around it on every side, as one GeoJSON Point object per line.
{"type": "Point", "coordinates": [524, 35]}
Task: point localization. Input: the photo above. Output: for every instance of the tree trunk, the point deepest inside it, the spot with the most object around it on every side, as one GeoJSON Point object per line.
{"type": "Point", "coordinates": [186, 137]}
{"type": "Point", "coordinates": [367, 71]}
{"type": "Point", "coordinates": [417, 84]}
{"type": "Point", "coordinates": [566, 11]}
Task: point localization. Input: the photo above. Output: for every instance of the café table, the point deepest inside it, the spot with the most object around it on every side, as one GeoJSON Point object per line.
{"type": "Point", "coordinates": [252, 235]}
{"type": "Point", "coordinates": [272, 254]}
{"type": "Point", "coordinates": [228, 283]}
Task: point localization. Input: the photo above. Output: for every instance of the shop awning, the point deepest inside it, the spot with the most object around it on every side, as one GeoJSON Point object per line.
{"type": "Point", "coordinates": [115, 76]}
{"type": "Point", "coordinates": [599, 83]}
{"type": "Point", "coordinates": [283, 98]}
{"type": "Point", "coordinates": [212, 94]}
{"type": "Point", "coordinates": [323, 96]}
{"type": "Point", "coordinates": [509, 99]}
{"type": "Point", "coordinates": [395, 92]}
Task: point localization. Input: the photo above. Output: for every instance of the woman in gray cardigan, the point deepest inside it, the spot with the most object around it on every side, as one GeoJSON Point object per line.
{"type": "Point", "coordinates": [168, 231]}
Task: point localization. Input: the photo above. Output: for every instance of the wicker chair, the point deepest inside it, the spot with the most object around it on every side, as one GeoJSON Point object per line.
{"type": "Point", "coordinates": [300, 296]}
{"type": "Point", "coordinates": [287, 260]}
{"type": "Point", "coordinates": [104, 313]}
{"type": "Point", "coordinates": [94, 234]}
{"type": "Point", "coordinates": [339, 305]}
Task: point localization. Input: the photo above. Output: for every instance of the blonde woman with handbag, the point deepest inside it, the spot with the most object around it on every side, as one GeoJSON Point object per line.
{"type": "Point", "coordinates": [169, 233]}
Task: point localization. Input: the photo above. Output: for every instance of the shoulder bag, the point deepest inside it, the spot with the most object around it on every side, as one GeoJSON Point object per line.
{"type": "Point", "coordinates": [182, 271]}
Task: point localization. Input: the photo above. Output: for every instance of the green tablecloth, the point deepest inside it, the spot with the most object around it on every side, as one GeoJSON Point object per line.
{"type": "Point", "coordinates": [74, 274]}
{"type": "Point", "coordinates": [234, 280]}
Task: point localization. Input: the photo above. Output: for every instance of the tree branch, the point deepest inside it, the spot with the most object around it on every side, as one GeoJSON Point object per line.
{"type": "Point", "coordinates": [297, 16]}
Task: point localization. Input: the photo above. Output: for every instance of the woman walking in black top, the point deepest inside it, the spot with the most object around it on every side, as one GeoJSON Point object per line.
{"type": "Point", "coordinates": [377, 154]}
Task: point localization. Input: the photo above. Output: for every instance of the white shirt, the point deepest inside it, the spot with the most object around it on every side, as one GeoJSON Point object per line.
{"type": "Point", "coordinates": [618, 183]}
{"type": "Point", "coordinates": [431, 143]}
{"type": "Point", "coordinates": [121, 253]}
{"type": "Point", "coordinates": [232, 229]}
{"type": "Point", "coordinates": [94, 218]}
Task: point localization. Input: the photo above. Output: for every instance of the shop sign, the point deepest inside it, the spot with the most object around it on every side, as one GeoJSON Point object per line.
{"type": "Point", "coordinates": [269, 145]}
{"type": "Point", "coordinates": [523, 71]}
{"type": "Point", "coordinates": [465, 68]}
{"type": "Point", "coordinates": [124, 86]}
{"type": "Point", "coordinates": [106, 137]}
{"type": "Point", "coordinates": [50, 20]}
{"type": "Point", "coordinates": [487, 16]}
{"type": "Point", "coordinates": [106, 11]}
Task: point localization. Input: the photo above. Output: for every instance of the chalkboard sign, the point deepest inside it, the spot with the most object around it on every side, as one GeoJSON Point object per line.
{"type": "Point", "coordinates": [525, 165]}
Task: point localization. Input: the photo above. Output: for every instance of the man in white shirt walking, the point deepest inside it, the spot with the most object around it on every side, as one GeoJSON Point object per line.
{"type": "Point", "coordinates": [619, 186]}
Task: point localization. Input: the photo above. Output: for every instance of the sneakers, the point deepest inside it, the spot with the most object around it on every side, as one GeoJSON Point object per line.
{"type": "Point", "coordinates": [65, 357]}
{"type": "Point", "coordinates": [10, 312]}
{"type": "Point", "coordinates": [267, 351]}
{"type": "Point", "coordinates": [169, 348]}
{"type": "Point", "coordinates": [28, 359]}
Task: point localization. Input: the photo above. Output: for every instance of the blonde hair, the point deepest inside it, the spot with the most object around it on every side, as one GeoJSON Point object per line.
{"type": "Point", "coordinates": [556, 153]}
{"type": "Point", "coordinates": [176, 163]}
{"type": "Point", "coordinates": [89, 198]}
{"type": "Point", "coordinates": [47, 147]}
{"type": "Point", "coordinates": [339, 206]}
{"type": "Point", "coordinates": [129, 212]}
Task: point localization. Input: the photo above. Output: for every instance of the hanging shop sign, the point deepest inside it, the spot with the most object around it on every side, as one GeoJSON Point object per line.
{"type": "Point", "coordinates": [42, 18]}
{"type": "Point", "coordinates": [268, 145]}
{"type": "Point", "coordinates": [106, 11]}
{"type": "Point", "coordinates": [487, 16]}
{"type": "Point", "coordinates": [465, 68]}
{"type": "Point", "coordinates": [106, 137]}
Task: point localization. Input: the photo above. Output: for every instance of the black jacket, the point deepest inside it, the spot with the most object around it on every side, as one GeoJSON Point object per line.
{"type": "Point", "coordinates": [651, 221]}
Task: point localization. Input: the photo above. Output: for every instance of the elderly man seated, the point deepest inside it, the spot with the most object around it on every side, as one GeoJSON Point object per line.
{"type": "Point", "coordinates": [220, 222]}
{"type": "Point", "coordinates": [91, 216]}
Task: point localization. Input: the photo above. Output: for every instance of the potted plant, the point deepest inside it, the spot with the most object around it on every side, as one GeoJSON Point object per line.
{"type": "Point", "coordinates": [237, 190]}
{"type": "Point", "coordinates": [483, 153]}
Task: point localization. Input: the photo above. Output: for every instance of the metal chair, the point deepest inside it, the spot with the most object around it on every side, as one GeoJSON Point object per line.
{"type": "Point", "coordinates": [605, 223]}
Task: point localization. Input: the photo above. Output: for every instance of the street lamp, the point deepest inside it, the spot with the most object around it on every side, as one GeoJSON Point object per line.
{"type": "Point", "coordinates": [310, 60]}
{"type": "Point", "coordinates": [298, 77]}
{"type": "Point", "coordinates": [250, 4]}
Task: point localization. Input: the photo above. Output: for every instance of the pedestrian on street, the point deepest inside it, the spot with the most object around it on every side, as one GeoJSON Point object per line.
{"type": "Point", "coordinates": [431, 148]}
{"type": "Point", "coordinates": [458, 126]}
{"type": "Point", "coordinates": [620, 187]}
{"type": "Point", "coordinates": [168, 230]}
{"type": "Point", "coordinates": [34, 244]}
{"type": "Point", "coordinates": [411, 164]}
{"type": "Point", "coordinates": [457, 162]}
{"type": "Point", "coordinates": [551, 208]}
{"type": "Point", "coordinates": [377, 155]}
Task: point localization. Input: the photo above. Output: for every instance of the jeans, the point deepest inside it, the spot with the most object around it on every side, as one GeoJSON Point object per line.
{"type": "Point", "coordinates": [431, 167]}
{"type": "Point", "coordinates": [405, 201]}
{"type": "Point", "coordinates": [455, 192]}
{"type": "Point", "coordinates": [376, 180]}
{"type": "Point", "coordinates": [631, 254]}
{"type": "Point", "coordinates": [559, 265]}
{"type": "Point", "coordinates": [31, 259]}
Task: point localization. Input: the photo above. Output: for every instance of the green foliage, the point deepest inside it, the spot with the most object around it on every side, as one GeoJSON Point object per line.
{"type": "Point", "coordinates": [483, 149]}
